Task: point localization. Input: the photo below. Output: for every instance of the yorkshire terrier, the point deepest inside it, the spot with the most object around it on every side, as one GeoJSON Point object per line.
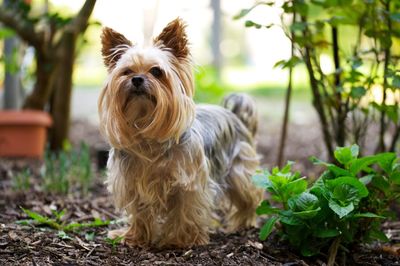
{"type": "Point", "coordinates": [173, 165]}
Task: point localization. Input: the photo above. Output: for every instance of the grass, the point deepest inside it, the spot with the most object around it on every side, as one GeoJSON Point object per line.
{"type": "Point", "coordinates": [21, 180]}
{"type": "Point", "coordinates": [68, 168]}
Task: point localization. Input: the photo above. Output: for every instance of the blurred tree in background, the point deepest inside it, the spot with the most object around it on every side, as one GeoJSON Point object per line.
{"type": "Point", "coordinates": [361, 39]}
{"type": "Point", "coordinates": [54, 38]}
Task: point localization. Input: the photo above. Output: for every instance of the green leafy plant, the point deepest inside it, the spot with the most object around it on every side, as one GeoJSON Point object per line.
{"type": "Point", "coordinates": [67, 168]}
{"type": "Point", "coordinates": [56, 222]}
{"type": "Point", "coordinates": [114, 241]}
{"type": "Point", "coordinates": [21, 180]}
{"type": "Point", "coordinates": [346, 204]}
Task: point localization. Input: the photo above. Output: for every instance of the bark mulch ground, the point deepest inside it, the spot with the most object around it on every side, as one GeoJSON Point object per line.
{"type": "Point", "coordinates": [28, 244]}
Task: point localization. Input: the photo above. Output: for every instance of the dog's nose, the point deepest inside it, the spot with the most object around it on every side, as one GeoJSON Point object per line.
{"type": "Point", "coordinates": [137, 81]}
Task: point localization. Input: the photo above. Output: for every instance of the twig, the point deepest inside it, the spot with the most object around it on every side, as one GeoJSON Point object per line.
{"type": "Point", "coordinates": [333, 251]}
{"type": "Point", "coordinates": [105, 212]}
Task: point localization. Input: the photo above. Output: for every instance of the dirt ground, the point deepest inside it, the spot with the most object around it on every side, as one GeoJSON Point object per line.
{"type": "Point", "coordinates": [24, 244]}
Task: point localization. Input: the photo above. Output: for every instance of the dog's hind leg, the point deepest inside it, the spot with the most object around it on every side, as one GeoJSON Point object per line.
{"type": "Point", "coordinates": [242, 194]}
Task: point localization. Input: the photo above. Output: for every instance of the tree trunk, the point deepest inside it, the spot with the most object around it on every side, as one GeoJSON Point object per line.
{"type": "Point", "coordinates": [45, 69]}
{"type": "Point", "coordinates": [62, 91]}
{"type": "Point", "coordinates": [12, 82]}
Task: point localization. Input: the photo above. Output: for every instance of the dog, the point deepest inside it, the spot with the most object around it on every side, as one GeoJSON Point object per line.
{"type": "Point", "coordinates": [173, 166]}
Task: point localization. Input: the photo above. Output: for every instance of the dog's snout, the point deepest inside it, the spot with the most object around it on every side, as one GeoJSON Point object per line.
{"type": "Point", "coordinates": [137, 81]}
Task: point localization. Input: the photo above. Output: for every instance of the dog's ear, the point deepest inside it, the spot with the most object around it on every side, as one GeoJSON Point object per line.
{"type": "Point", "coordinates": [114, 44]}
{"type": "Point", "coordinates": [174, 38]}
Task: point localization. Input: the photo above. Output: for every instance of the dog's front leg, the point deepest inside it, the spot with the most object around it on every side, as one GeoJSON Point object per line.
{"type": "Point", "coordinates": [188, 219]}
{"type": "Point", "coordinates": [141, 231]}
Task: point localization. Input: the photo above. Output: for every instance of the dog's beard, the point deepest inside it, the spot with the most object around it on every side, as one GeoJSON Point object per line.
{"type": "Point", "coordinates": [160, 114]}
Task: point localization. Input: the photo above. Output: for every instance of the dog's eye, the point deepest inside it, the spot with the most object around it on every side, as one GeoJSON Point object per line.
{"type": "Point", "coordinates": [156, 72]}
{"type": "Point", "coordinates": [127, 72]}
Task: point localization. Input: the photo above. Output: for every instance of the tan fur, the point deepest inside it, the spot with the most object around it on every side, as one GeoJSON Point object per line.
{"type": "Point", "coordinates": [111, 41]}
{"type": "Point", "coordinates": [170, 165]}
{"type": "Point", "coordinates": [174, 37]}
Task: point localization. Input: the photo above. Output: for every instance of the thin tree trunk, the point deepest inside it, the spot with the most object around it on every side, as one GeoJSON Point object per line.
{"type": "Point", "coordinates": [45, 70]}
{"type": "Point", "coordinates": [287, 102]}
{"type": "Point", "coordinates": [61, 100]}
{"type": "Point", "coordinates": [381, 145]}
{"type": "Point", "coordinates": [317, 99]}
{"type": "Point", "coordinates": [216, 37]}
{"type": "Point", "coordinates": [12, 90]}
{"type": "Point", "coordinates": [396, 136]}
{"type": "Point", "coordinates": [341, 112]}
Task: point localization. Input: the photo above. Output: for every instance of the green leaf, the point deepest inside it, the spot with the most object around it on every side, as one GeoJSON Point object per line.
{"type": "Point", "coordinates": [366, 179]}
{"type": "Point", "coordinates": [278, 181]}
{"type": "Point", "coordinates": [336, 170]}
{"type": "Point", "coordinates": [382, 184]}
{"type": "Point", "coordinates": [386, 160]}
{"type": "Point", "coordinates": [395, 17]}
{"type": "Point", "coordinates": [63, 235]}
{"type": "Point", "coordinates": [6, 33]}
{"type": "Point", "coordinates": [357, 92]}
{"type": "Point", "coordinates": [341, 211]}
{"type": "Point", "coordinates": [261, 181]}
{"type": "Point", "coordinates": [295, 187]}
{"type": "Point", "coordinates": [287, 168]}
{"type": "Point", "coordinates": [349, 180]}
{"type": "Point", "coordinates": [266, 208]}
{"type": "Point", "coordinates": [303, 202]}
{"type": "Point", "coordinates": [367, 215]}
{"type": "Point", "coordinates": [246, 11]}
{"type": "Point", "coordinates": [292, 62]}
{"type": "Point", "coordinates": [90, 236]}
{"type": "Point", "coordinates": [287, 217]}
{"type": "Point", "coordinates": [307, 214]}
{"type": "Point", "coordinates": [309, 249]}
{"type": "Point", "coordinates": [345, 155]}
{"type": "Point", "coordinates": [395, 178]}
{"type": "Point", "coordinates": [250, 23]}
{"type": "Point", "coordinates": [396, 82]}
{"type": "Point", "coordinates": [362, 164]}
{"type": "Point", "coordinates": [377, 234]}
{"type": "Point", "coordinates": [326, 232]}
{"type": "Point", "coordinates": [345, 193]}
{"type": "Point", "coordinates": [300, 8]}
{"type": "Point", "coordinates": [392, 111]}
{"type": "Point", "coordinates": [266, 230]}
{"type": "Point", "coordinates": [298, 26]}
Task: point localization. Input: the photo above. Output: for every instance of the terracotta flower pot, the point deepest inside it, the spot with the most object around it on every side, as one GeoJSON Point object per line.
{"type": "Point", "coordinates": [23, 133]}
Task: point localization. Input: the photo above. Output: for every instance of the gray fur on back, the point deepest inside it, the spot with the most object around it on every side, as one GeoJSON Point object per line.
{"type": "Point", "coordinates": [221, 131]}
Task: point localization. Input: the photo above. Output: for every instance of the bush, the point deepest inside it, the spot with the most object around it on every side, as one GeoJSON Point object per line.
{"type": "Point", "coordinates": [345, 205]}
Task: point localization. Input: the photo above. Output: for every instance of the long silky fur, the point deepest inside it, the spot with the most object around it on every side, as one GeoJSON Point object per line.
{"type": "Point", "coordinates": [172, 164]}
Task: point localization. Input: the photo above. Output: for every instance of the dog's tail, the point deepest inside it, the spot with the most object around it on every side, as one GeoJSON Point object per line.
{"type": "Point", "coordinates": [244, 107]}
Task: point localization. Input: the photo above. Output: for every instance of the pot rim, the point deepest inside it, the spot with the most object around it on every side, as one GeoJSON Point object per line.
{"type": "Point", "coordinates": [25, 118]}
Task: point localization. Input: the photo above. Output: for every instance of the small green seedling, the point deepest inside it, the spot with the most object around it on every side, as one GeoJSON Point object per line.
{"type": "Point", "coordinates": [57, 223]}
{"type": "Point", "coordinates": [21, 180]}
{"type": "Point", "coordinates": [68, 169]}
{"type": "Point", "coordinates": [114, 241]}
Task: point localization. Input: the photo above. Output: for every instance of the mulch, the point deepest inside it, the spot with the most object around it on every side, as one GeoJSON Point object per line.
{"type": "Point", "coordinates": [33, 245]}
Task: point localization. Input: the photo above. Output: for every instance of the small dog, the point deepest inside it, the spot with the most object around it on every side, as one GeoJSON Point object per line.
{"type": "Point", "coordinates": [173, 165]}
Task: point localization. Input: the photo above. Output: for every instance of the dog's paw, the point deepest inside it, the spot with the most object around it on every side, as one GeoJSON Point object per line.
{"type": "Point", "coordinates": [117, 233]}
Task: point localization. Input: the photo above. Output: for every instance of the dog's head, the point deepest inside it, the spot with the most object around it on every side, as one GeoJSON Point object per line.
{"type": "Point", "coordinates": [149, 90]}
